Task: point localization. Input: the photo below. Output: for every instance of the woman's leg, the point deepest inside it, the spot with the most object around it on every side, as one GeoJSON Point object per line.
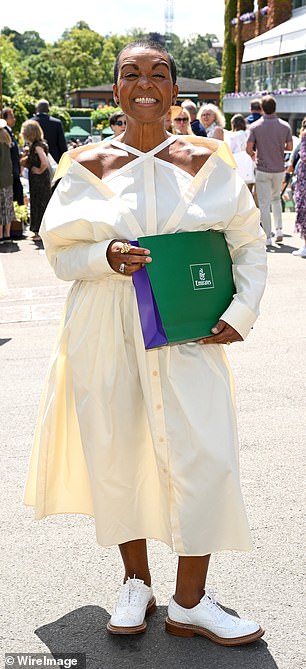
{"type": "Point", "coordinates": [135, 559]}
{"type": "Point", "coordinates": [191, 579]}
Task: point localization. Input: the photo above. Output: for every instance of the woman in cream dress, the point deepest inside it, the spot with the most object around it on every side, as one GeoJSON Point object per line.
{"type": "Point", "coordinates": [146, 440]}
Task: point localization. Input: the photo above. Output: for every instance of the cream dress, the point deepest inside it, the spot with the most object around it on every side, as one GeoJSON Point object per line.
{"type": "Point", "coordinates": [145, 441]}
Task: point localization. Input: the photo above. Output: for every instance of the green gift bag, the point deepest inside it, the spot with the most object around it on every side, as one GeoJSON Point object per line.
{"type": "Point", "coordinates": [191, 281]}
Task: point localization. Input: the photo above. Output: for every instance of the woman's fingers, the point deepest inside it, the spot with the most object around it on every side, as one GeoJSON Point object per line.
{"type": "Point", "coordinates": [130, 262]}
{"type": "Point", "coordinates": [223, 333]}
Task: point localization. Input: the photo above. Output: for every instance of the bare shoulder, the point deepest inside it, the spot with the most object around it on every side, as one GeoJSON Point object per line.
{"type": "Point", "coordinates": [193, 152]}
{"type": "Point", "coordinates": [92, 157]}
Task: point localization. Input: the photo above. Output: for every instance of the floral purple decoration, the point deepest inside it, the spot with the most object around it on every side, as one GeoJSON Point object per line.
{"type": "Point", "coordinates": [248, 17]}
{"type": "Point", "coordinates": [264, 10]}
{"type": "Point", "coordinates": [280, 91]}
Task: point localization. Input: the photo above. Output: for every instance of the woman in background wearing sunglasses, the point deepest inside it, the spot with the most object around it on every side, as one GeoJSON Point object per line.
{"type": "Point", "coordinates": [180, 121]}
{"type": "Point", "coordinates": [117, 122]}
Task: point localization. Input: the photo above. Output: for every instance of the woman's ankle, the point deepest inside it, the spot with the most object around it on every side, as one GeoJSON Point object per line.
{"type": "Point", "coordinates": [143, 576]}
{"type": "Point", "coordinates": [188, 600]}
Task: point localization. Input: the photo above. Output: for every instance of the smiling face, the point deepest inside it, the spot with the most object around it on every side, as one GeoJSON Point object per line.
{"type": "Point", "coordinates": [144, 89]}
{"type": "Point", "coordinates": [207, 117]}
{"type": "Point", "coordinates": [181, 122]}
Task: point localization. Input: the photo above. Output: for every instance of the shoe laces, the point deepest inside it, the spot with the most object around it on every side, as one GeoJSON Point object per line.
{"type": "Point", "coordinates": [211, 601]}
{"type": "Point", "coordinates": [131, 594]}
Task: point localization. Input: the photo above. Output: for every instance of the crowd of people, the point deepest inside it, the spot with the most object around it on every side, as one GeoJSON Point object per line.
{"type": "Point", "coordinates": [259, 143]}
{"type": "Point", "coordinates": [26, 174]}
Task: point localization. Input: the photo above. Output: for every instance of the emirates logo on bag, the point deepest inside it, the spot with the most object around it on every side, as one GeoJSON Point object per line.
{"type": "Point", "coordinates": [202, 277]}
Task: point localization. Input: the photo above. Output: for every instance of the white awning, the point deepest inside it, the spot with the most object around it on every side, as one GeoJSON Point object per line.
{"type": "Point", "coordinates": [288, 37]}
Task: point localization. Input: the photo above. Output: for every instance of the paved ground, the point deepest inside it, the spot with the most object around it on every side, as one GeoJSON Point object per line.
{"type": "Point", "coordinates": [59, 585]}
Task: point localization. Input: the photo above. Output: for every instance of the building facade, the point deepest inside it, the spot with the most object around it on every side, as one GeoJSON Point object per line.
{"type": "Point", "coordinates": [194, 89]}
{"type": "Point", "coordinates": [273, 59]}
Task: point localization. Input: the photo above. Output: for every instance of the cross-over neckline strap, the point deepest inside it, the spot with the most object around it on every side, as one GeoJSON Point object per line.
{"type": "Point", "coordinates": [144, 154]}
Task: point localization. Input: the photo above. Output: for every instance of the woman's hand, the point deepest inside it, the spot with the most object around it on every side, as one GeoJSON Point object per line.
{"type": "Point", "coordinates": [130, 262]}
{"type": "Point", "coordinates": [223, 334]}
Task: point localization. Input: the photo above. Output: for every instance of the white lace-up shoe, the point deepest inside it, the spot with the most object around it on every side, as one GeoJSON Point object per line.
{"type": "Point", "coordinates": [135, 601]}
{"type": "Point", "coordinates": [210, 620]}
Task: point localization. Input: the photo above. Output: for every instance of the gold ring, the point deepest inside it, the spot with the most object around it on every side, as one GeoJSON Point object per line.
{"type": "Point", "coordinates": [228, 343]}
{"type": "Point", "coordinates": [126, 247]}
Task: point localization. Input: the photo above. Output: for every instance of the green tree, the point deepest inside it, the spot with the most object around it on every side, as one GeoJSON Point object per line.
{"type": "Point", "coordinates": [44, 77]}
{"type": "Point", "coordinates": [112, 46]}
{"type": "Point", "coordinates": [194, 60]}
{"type": "Point", "coordinates": [28, 42]}
{"type": "Point", "coordinates": [32, 43]}
{"type": "Point", "coordinates": [229, 53]}
{"type": "Point", "coordinates": [10, 64]}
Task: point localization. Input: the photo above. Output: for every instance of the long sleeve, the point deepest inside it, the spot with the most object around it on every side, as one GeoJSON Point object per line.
{"type": "Point", "coordinates": [75, 240]}
{"type": "Point", "coordinates": [85, 261]}
{"type": "Point", "coordinates": [245, 239]}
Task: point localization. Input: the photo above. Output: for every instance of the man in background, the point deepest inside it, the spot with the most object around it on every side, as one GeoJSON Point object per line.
{"type": "Point", "coordinates": [196, 127]}
{"type": "Point", "coordinates": [272, 137]}
{"type": "Point", "coordinates": [256, 111]}
{"type": "Point", "coordinates": [8, 116]}
{"type": "Point", "coordinates": [52, 129]}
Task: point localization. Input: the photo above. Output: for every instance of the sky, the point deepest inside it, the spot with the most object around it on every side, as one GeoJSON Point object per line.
{"type": "Point", "coordinates": [51, 19]}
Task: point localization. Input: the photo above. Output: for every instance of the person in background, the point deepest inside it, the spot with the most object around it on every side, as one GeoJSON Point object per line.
{"type": "Point", "coordinates": [196, 127]}
{"type": "Point", "coordinates": [52, 130]}
{"type": "Point", "coordinates": [300, 193]}
{"type": "Point", "coordinates": [9, 117]}
{"type": "Point", "coordinates": [6, 185]}
{"type": "Point", "coordinates": [180, 121]}
{"type": "Point", "coordinates": [271, 136]}
{"type": "Point", "coordinates": [213, 120]}
{"type": "Point", "coordinates": [237, 140]}
{"type": "Point", "coordinates": [255, 111]}
{"type": "Point", "coordinates": [38, 172]}
{"type": "Point", "coordinates": [117, 122]}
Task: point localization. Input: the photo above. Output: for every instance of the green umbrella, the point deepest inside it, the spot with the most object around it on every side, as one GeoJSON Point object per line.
{"type": "Point", "coordinates": [77, 132]}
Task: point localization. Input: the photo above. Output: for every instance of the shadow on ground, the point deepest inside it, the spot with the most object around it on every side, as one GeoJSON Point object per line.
{"type": "Point", "coordinates": [10, 247]}
{"type": "Point", "coordinates": [84, 631]}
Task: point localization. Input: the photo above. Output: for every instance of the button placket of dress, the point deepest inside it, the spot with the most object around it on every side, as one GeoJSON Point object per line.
{"type": "Point", "coordinates": [160, 438]}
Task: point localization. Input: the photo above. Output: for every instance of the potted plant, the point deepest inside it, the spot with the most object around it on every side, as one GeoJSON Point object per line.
{"type": "Point", "coordinates": [21, 219]}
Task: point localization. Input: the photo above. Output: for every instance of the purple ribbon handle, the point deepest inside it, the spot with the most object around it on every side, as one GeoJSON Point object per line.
{"type": "Point", "coordinates": [152, 328]}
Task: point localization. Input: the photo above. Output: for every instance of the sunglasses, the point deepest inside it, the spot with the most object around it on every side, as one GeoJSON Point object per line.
{"type": "Point", "coordinates": [181, 120]}
{"type": "Point", "coordinates": [120, 123]}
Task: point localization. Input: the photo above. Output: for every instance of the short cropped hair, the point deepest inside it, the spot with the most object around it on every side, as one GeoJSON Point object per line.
{"type": "Point", "coordinates": [190, 106]}
{"type": "Point", "coordinates": [256, 105]}
{"type": "Point", "coordinates": [146, 44]}
{"type": "Point", "coordinates": [42, 107]}
{"type": "Point", "coordinates": [6, 112]}
{"type": "Point", "coordinates": [268, 104]}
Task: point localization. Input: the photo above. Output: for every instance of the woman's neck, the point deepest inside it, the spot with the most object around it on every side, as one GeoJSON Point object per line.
{"type": "Point", "coordinates": [144, 136]}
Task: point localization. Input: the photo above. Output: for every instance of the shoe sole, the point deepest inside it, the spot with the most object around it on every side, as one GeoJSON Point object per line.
{"type": "Point", "coordinates": [138, 629]}
{"type": "Point", "coordinates": [182, 629]}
